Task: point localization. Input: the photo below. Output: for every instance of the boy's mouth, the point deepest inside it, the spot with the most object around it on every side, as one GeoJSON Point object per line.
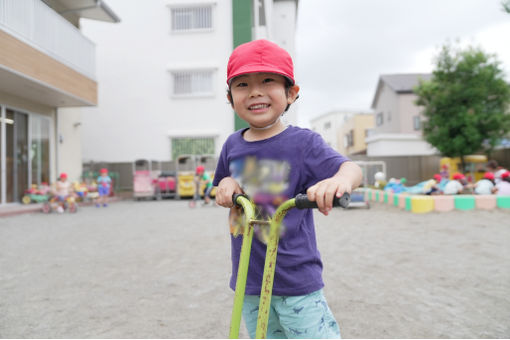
{"type": "Point", "coordinates": [256, 107]}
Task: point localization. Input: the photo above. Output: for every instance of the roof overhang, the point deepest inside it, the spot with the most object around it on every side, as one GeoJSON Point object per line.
{"type": "Point", "coordinates": [90, 9]}
{"type": "Point", "coordinates": [25, 87]}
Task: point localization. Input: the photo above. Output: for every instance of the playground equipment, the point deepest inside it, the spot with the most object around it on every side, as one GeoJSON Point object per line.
{"type": "Point", "coordinates": [474, 166]}
{"type": "Point", "coordinates": [301, 202]}
{"type": "Point", "coordinates": [144, 179]}
{"type": "Point", "coordinates": [185, 169]}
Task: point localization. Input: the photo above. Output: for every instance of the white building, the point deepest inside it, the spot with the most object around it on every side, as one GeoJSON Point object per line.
{"type": "Point", "coordinates": [162, 73]}
{"type": "Point", "coordinates": [46, 65]}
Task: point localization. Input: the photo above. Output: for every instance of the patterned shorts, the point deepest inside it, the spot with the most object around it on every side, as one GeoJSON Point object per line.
{"type": "Point", "coordinates": [293, 317]}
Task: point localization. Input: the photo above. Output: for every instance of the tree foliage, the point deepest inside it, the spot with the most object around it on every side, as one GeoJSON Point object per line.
{"type": "Point", "coordinates": [465, 102]}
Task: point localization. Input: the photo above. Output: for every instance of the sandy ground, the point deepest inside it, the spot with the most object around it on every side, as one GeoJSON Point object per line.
{"type": "Point", "coordinates": [160, 270]}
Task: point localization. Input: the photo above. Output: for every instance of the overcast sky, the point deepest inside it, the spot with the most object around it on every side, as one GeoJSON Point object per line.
{"type": "Point", "coordinates": [343, 46]}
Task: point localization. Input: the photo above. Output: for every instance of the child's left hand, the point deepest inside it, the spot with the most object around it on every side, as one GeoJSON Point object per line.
{"type": "Point", "coordinates": [324, 191]}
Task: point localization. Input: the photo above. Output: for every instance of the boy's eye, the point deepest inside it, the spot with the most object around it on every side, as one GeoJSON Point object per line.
{"type": "Point", "coordinates": [268, 80]}
{"type": "Point", "coordinates": [241, 85]}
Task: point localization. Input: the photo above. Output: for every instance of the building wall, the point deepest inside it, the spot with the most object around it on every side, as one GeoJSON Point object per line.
{"type": "Point", "coordinates": [68, 136]}
{"type": "Point", "coordinates": [359, 124]}
{"type": "Point", "coordinates": [327, 126]}
{"type": "Point", "coordinates": [408, 110]}
{"type": "Point", "coordinates": [137, 114]}
{"type": "Point", "coordinates": [388, 106]}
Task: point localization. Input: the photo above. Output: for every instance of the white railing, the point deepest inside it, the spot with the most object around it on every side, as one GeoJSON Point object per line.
{"type": "Point", "coordinates": [33, 22]}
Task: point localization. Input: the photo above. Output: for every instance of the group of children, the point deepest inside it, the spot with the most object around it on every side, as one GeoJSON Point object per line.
{"type": "Point", "coordinates": [63, 189]}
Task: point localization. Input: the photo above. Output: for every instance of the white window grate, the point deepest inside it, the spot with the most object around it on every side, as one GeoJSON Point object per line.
{"type": "Point", "coordinates": [186, 83]}
{"type": "Point", "coordinates": [191, 19]}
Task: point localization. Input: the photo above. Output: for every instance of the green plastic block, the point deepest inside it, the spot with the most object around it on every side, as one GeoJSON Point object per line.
{"type": "Point", "coordinates": [408, 203]}
{"type": "Point", "coordinates": [395, 200]}
{"type": "Point", "coordinates": [377, 195]}
{"type": "Point", "coordinates": [464, 202]}
{"type": "Point", "coordinates": [503, 202]}
{"type": "Point", "coordinates": [385, 197]}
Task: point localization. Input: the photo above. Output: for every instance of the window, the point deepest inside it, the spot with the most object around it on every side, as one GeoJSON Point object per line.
{"type": "Point", "coordinates": [192, 83]}
{"type": "Point", "coordinates": [327, 125]}
{"type": "Point", "coordinates": [192, 146]}
{"type": "Point", "coordinates": [349, 139]}
{"type": "Point", "coordinates": [191, 18]}
{"type": "Point", "coordinates": [416, 123]}
{"type": "Point", "coordinates": [379, 119]}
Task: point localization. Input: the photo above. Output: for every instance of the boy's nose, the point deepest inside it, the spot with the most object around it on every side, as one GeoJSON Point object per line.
{"type": "Point", "coordinates": [255, 91]}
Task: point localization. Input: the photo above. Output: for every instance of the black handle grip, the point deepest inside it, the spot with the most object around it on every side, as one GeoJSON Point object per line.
{"type": "Point", "coordinates": [235, 196]}
{"type": "Point", "coordinates": [302, 201]}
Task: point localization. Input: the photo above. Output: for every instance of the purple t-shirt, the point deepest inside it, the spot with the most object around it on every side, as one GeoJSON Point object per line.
{"type": "Point", "coordinates": [281, 166]}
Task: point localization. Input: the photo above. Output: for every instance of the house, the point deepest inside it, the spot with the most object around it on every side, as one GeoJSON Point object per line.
{"type": "Point", "coordinates": [397, 130]}
{"type": "Point", "coordinates": [328, 125]}
{"type": "Point", "coordinates": [163, 72]}
{"type": "Point", "coordinates": [352, 134]}
{"type": "Point", "coordinates": [46, 65]}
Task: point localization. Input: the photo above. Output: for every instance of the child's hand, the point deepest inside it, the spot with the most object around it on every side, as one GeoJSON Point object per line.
{"type": "Point", "coordinates": [226, 188]}
{"type": "Point", "coordinates": [324, 191]}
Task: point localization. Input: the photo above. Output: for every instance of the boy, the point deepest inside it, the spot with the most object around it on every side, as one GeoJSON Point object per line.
{"type": "Point", "coordinates": [271, 162]}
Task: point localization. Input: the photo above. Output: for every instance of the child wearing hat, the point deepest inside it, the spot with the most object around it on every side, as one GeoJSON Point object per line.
{"type": "Point", "coordinates": [63, 190]}
{"type": "Point", "coordinates": [271, 162]}
{"type": "Point", "coordinates": [486, 185]}
{"type": "Point", "coordinates": [104, 183]}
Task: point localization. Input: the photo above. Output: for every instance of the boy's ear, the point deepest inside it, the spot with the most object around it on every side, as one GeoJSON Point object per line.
{"type": "Point", "coordinates": [229, 98]}
{"type": "Point", "coordinates": [293, 94]}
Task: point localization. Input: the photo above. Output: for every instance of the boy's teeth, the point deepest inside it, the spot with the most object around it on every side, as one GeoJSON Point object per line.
{"type": "Point", "coordinates": [259, 106]}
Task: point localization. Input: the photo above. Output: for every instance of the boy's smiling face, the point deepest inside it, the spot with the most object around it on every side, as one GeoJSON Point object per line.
{"type": "Point", "coordinates": [260, 98]}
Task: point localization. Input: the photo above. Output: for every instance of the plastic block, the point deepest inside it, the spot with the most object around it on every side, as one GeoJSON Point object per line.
{"type": "Point", "coordinates": [376, 196]}
{"type": "Point", "coordinates": [444, 203]}
{"type": "Point", "coordinates": [396, 198]}
{"type": "Point", "coordinates": [408, 203]}
{"type": "Point", "coordinates": [486, 202]}
{"type": "Point", "coordinates": [390, 197]}
{"type": "Point", "coordinates": [402, 201]}
{"type": "Point", "coordinates": [464, 202]}
{"type": "Point", "coordinates": [503, 202]}
{"type": "Point", "coordinates": [422, 204]}
{"type": "Point", "coordinates": [385, 197]}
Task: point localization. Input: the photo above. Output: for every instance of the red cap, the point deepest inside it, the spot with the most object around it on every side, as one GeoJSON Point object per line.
{"type": "Point", "coordinates": [63, 175]}
{"type": "Point", "coordinates": [458, 176]}
{"type": "Point", "coordinates": [260, 56]}
{"type": "Point", "coordinates": [103, 171]}
{"type": "Point", "coordinates": [505, 174]}
{"type": "Point", "coordinates": [489, 175]}
{"type": "Point", "coordinates": [438, 177]}
{"type": "Point", "coordinates": [200, 168]}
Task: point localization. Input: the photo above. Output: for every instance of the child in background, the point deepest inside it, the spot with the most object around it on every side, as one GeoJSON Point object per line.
{"type": "Point", "coordinates": [485, 186]}
{"type": "Point", "coordinates": [104, 183]}
{"type": "Point", "coordinates": [270, 159]}
{"type": "Point", "coordinates": [496, 169]}
{"type": "Point", "coordinates": [62, 191]}
{"type": "Point", "coordinates": [503, 188]}
{"type": "Point", "coordinates": [204, 178]}
{"type": "Point", "coordinates": [456, 185]}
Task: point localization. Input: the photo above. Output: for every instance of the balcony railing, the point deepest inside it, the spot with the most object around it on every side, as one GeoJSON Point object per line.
{"type": "Point", "coordinates": [41, 27]}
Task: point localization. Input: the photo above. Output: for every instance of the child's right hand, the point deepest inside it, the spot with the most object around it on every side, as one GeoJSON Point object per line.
{"type": "Point", "coordinates": [226, 188]}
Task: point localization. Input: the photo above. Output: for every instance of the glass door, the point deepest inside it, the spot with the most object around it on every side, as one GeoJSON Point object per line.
{"type": "Point", "coordinates": [16, 139]}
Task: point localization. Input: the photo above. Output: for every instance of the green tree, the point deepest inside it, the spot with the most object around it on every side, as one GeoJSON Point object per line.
{"type": "Point", "coordinates": [506, 5]}
{"type": "Point", "coordinates": [465, 102]}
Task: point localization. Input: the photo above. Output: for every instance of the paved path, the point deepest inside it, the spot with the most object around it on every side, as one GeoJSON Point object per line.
{"type": "Point", "coordinates": [160, 270]}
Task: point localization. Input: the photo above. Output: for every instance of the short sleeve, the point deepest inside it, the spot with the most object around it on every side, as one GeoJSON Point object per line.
{"type": "Point", "coordinates": [222, 168]}
{"type": "Point", "coordinates": [320, 160]}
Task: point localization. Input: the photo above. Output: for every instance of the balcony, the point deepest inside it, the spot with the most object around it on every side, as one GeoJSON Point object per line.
{"type": "Point", "coordinates": [44, 58]}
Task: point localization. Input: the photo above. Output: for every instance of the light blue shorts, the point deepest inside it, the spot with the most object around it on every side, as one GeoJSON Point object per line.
{"type": "Point", "coordinates": [293, 317]}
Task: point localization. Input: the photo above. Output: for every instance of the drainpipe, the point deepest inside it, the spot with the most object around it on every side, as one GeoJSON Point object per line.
{"type": "Point", "coordinates": [3, 155]}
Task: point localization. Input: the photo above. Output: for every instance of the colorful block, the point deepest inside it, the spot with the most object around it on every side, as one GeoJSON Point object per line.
{"type": "Point", "coordinates": [422, 204]}
{"type": "Point", "coordinates": [464, 202]}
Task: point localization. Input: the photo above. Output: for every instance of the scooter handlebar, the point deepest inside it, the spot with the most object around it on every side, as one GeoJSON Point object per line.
{"type": "Point", "coordinates": [302, 201]}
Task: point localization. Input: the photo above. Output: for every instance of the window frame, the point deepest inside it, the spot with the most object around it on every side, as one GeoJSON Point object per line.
{"type": "Point", "coordinates": [192, 6]}
{"type": "Point", "coordinates": [191, 71]}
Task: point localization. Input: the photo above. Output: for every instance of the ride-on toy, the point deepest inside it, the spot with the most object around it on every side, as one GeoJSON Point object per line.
{"type": "Point", "coordinates": [301, 202]}
{"type": "Point", "coordinates": [53, 204]}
